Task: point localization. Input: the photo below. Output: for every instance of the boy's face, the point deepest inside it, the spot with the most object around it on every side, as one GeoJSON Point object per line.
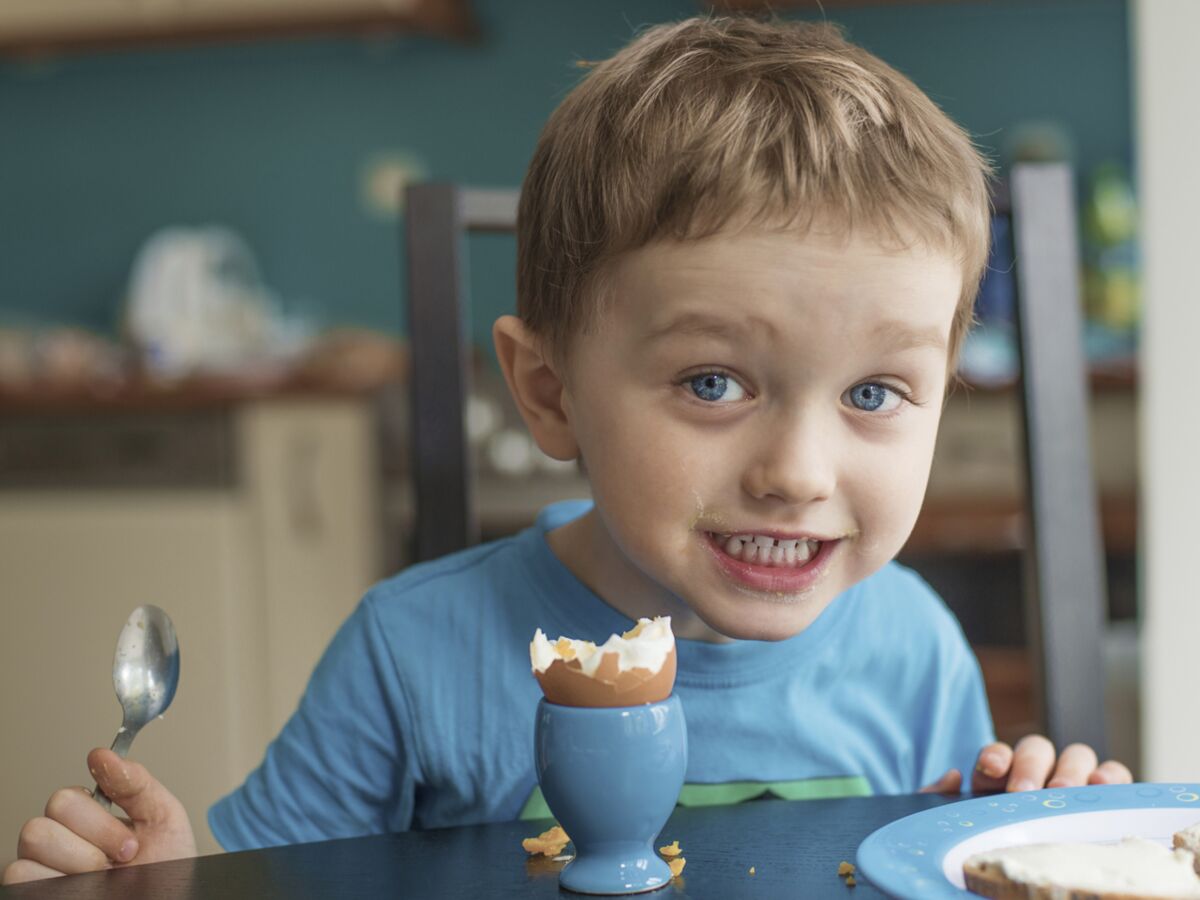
{"type": "Point", "coordinates": [757, 412]}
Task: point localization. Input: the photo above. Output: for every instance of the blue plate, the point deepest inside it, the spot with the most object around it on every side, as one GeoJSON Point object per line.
{"type": "Point", "coordinates": [920, 857]}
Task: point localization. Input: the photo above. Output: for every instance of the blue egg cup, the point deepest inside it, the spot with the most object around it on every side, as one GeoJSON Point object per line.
{"type": "Point", "coordinates": [611, 777]}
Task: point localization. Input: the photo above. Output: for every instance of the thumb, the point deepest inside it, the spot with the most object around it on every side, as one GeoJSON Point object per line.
{"type": "Point", "coordinates": [131, 786]}
{"type": "Point", "coordinates": [950, 783]}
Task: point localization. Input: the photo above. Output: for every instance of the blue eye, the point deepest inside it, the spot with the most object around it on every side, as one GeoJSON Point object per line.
{"type": "Point", "coordinates": [871, 396]}
{"type": "Point", "coordinates": [713, 386]}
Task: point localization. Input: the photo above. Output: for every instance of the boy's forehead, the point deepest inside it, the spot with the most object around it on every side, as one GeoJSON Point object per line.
{"type": "Point", "coordinates": [691, 287]}
{"type": "Point", "coordinates": [778, 252]}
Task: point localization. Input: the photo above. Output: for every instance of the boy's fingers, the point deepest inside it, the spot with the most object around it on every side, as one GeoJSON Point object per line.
{"type": "Point", "coordinates": [1075, 764]}
{"type": "Point", "coordinates": [79, 812]}
{"type": "Point", "coordinates": [133, 788]}
{"type": "Point", "coordinates": [950, 783]}
{"type": "Point", "coordinates": [1111, 772]}
{"type": "Point", "coordinates": [54, 845]}
{"type": "Point", "coordinates": [1033, 759]}
{"type": "Point", "coordinates": [991, 768]}
{"type": "Point", "coordinates": [23, 870]}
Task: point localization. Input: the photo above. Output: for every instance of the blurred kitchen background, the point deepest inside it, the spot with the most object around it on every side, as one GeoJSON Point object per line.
{"type": "Point", "coordinates": [202, 332]}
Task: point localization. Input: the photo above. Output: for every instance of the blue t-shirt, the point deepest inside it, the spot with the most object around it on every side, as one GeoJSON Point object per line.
{"type": "Point", "coordinates": [420, 713]}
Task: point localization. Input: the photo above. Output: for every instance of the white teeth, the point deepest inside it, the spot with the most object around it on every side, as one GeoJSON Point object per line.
{"type": "Point", "coordinates": [766, 551]}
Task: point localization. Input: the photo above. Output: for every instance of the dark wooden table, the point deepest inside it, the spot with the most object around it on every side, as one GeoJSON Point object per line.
{"type": "Point", "coordinates": [794, 847]}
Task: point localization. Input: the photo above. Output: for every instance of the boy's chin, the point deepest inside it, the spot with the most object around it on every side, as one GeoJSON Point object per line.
{"type": "Point", "coordinates": [762, 620]}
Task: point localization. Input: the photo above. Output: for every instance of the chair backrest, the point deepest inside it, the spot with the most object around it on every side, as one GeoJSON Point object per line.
{"type": "Point", "coordinates": [1066, 596]}
{"type": "Point", "coordinates": [1064, 559]}
{"type": "Point", "coordinates": [438, 218]}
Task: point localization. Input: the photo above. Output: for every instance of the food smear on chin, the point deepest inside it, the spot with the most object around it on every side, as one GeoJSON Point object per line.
{"type": "Point", "coordinates": [630, 669]}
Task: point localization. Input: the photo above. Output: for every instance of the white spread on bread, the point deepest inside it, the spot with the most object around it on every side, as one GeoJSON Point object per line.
{"type": "Point", "coordinates": [1134, 866]}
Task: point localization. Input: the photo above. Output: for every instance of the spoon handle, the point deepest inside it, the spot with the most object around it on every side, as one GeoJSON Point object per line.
{"type": "Point", "coordinates": [120, 746]}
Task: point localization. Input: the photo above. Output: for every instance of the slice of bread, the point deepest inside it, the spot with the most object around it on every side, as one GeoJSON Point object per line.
{"type": "Point", "coordinates": [1133, 869]}
{"type": "Point", "coordinates": [1189, 839]}
{"type": "Point", "coordinates": [989, 880]}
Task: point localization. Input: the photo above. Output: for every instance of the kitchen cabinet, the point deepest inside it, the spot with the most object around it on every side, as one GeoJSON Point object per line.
{"type": "Point", "coordinates": [33, 26]}
{"type": "Point", "coordinates": [976, 494]}
{"type": "Point", "coordinates": [257, 554]}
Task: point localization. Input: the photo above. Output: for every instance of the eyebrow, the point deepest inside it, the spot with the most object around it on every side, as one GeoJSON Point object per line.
{"type": "Point", "coordinates": [896, 334]}
{"type": "Point", "coordinates": [903, 336]}
{"type": "Point", "coordinates": [703, 325]}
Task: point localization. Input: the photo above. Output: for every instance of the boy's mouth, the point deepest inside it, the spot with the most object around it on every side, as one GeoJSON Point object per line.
{"type": "Point", "coordinates": [787, 564]}
{"type": "Point", "coordinates": [765, 550]}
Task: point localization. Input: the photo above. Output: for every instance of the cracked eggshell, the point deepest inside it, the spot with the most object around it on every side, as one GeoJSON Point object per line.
{"type": "Point", "coordinates": [564, 683]}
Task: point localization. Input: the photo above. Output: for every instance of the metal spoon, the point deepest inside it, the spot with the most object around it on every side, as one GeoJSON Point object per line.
{"type": "Point", "coordinates": [145, 674]}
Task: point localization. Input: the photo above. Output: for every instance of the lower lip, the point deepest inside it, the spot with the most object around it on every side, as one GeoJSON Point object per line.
{"type": "Point", "coordinates": [775, 579]}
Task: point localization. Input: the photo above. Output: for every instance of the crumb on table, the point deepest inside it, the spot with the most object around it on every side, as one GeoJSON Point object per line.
{"type": "Point", "coordinates": [752, 870]}
{"type": "Point", "coordinates": [676, 866]}
{"type": "Point", "coordinates": [671, 850]}
{"type": "Point", "coordinates": [549, 843]}
{"type": "Point", "coordinates": [845, 868]}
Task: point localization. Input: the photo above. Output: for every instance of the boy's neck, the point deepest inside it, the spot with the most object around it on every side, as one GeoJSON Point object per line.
{"type": "Point", "coordinates": [585, 547]}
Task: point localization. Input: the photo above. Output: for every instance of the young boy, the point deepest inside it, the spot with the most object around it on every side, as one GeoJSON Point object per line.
{"type": "Point", "coordinates": [748, 254]}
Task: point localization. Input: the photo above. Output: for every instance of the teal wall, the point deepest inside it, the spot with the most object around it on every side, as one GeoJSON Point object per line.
{"type": "Point", "coordinates": [270, 138]}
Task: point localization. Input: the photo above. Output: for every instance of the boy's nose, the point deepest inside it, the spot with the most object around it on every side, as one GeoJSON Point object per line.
{"type": "Point", "coordinates": [794, 462]}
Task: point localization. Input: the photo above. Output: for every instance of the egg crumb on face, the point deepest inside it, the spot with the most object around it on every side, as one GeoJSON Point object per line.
{"type": "Point", "coordinates": [676, 866]}
{"type": "Point", "coordinates": [671, 849]}
{"type": "Point", "coordinates": [549, 843]}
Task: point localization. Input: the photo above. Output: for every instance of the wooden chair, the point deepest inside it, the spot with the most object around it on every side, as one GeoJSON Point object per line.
{"type": "Point", "coordinates": [1065, 599]}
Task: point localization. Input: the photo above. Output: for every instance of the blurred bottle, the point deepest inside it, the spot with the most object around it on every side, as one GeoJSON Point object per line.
{"type": "Point", "coordinates": [1111, 290]}
{"type": "Point", "coordinates": [989, 353]}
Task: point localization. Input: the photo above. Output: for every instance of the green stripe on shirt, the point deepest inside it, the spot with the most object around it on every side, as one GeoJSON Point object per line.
{"type": "Point", "coordinates": [738, 792]}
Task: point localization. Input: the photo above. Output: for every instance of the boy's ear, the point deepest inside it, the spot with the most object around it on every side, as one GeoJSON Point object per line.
{"type": "Point", "coordinates": [535, 386]}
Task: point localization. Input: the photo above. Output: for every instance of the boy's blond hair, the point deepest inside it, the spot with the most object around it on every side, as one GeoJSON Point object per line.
{"type": "Point", "coordinates": [698, 123]}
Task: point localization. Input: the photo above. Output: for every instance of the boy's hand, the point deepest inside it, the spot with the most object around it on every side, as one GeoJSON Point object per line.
{"type": "Point", "coordinates": [1031, 765]}
{"type": "Point", "coordinates": [76, 835]}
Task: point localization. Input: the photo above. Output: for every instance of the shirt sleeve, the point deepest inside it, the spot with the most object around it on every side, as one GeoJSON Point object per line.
{"type": "Point", "coordinates": [341, 766]}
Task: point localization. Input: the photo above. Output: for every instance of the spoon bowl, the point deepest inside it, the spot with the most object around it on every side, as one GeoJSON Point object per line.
{"type": "Point", "coordinates": [145, 674]}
